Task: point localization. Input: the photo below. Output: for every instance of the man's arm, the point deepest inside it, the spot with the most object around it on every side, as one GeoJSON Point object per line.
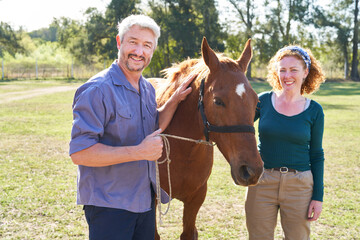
{"type": "Point", "coordinates": [166, 112]}
{"type": "Point", "coordinates": [100, 155]}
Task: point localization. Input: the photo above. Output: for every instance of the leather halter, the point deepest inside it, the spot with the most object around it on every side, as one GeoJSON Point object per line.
{"type": "Point", "coordinates": [208, 127]}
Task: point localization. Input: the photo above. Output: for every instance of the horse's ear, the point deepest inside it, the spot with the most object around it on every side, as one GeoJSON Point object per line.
{"type": "Point", "coordinates": [245, 57]}
{"type": "Point", "coordinates": [209, 56]}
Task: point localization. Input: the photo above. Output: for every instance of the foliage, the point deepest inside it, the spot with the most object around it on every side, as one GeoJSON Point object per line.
{"type": "Point", "coordinates": [234, 44]}
{"type": "Point", "coordinates": [9, 40]}
{"type": "Point", "coordinates": [327, 30]}
{"type": "Point", "coordinates": [94, 40]}
{"type": "Point", "coordinates": [183, 25]}
{"type": "Point", "coordinates": [45, 53]}
{"type": "Point", "coordinates": [47, 34]}
{"type": "Point", "coordinates": [208, 21]}
{"type": "Point", "coordinates": [340, 22]}
{"type": "Point", "coordinates": [245, 10]}
{"type": "Point", "coordinates": [116, 11]}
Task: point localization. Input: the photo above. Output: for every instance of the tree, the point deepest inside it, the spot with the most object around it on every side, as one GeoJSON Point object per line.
{"type": "Point", "coordinates": [9, 40]}
{"type": "Point", "coordinates": [338, 21]}
{"type": "Point", "coordinates": [102, 28]}
{"type": "Point", "coordinates": [47, 34]}
{"type": "Point", "coordinates": [115, 12]}
{"type": "Point", "coordinates": [285, 13]}
{"type": "Point", "coordinates": [342, 16]}
{"type": "Point", "coordinates": [208, 23]}
{"type": "Point", "coordinates": [247, 17]}
{"type": "Point", "coordinates": [183, 28]}
{"type": "Point", "coordinates": [72, 35]}
{"type": "Point", "coordinates": [98, 30]}
{"type": "Point", "coordinates": [355, 62]}
{"type": "Point", "coordinates": [164, 55]}
{"type": "Point", "coordinates": [183, 24]}
{"type": "Point", "coordinates": [95, 40]}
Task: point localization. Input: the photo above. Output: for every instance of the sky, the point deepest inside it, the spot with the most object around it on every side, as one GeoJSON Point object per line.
{"type": "Point", "coordinates": [36, 14]}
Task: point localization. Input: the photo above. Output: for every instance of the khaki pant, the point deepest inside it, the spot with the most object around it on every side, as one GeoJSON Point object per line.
{"type": "Point", "coordinates": [288, 192]}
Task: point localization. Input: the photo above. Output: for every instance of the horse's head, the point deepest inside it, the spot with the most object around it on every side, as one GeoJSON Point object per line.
{"type": "Point", "coordinates": [230, 102]}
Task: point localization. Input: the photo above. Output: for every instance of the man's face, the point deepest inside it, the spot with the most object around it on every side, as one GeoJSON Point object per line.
{"type": "Point", "coordinates": [136, 49]}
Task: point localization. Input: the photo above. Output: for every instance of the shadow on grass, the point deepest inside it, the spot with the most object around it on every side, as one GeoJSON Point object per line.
{"type": "Point", "coordinates": [326, 106]}
{"type": "Point", "coordinates": [9, 80]}
{"type": "Point", "coordinates": [339, 88]}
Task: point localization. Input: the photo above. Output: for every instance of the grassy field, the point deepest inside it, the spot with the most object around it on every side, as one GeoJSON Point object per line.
{"type": "Point", "coordinates": [38, 179]}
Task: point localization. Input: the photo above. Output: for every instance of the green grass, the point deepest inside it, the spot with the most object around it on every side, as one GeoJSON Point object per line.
{"type": "Point", "coordinates": [38, 179]}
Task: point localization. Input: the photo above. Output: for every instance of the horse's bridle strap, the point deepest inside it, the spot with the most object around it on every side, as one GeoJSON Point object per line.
{"type": "Point", "coordinates": [208, 127]}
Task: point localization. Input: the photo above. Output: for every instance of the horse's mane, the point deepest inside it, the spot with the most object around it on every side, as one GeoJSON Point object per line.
{"type": "Point", "coordinates": [173, 76]}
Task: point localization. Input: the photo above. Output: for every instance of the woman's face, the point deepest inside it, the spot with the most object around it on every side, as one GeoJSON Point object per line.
{"type": "Point", "coordinates": [291, 73]}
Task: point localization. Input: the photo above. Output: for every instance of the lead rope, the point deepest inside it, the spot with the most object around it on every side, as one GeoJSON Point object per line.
{"type": "Point", "coordinates": [168, 161]}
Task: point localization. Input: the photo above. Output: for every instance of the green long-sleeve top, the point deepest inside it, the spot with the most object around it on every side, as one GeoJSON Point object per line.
{"type": "Point", "coordinates": [292, 141]}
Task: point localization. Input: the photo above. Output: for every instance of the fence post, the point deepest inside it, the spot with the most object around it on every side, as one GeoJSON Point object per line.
{"type": "Point", "coordinates": [2, 69]}
{"type": "Point", "coordinates": [72, 68]}
{"type": "Point", "coordinates": [36, 69]}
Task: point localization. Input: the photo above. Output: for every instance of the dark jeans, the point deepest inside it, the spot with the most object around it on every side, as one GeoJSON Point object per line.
{"type": "Point", "coordinates": [110, 224]}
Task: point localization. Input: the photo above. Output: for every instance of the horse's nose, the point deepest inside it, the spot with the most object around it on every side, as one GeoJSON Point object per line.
{"type": "Point", "coordinates": [246, 173]}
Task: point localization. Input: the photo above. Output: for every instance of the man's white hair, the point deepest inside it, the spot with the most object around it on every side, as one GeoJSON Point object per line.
{"type": "Point", "coordinates": [140, 20]}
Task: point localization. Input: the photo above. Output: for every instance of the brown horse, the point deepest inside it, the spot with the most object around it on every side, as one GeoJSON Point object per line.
{"type": "Point", "coordinates": [221, 109]}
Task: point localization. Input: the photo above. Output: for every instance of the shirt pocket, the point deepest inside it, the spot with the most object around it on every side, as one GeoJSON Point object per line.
{"type": "Point", "coordinates": [125, 127]}
{"type": "Point", "coordinates": [125, 113]}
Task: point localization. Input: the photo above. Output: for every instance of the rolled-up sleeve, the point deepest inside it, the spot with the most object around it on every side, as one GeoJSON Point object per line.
{"type": "Point", "coordinates": [88, 119]}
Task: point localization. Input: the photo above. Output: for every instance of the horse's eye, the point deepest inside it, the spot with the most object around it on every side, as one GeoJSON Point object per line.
{"type": "Point", "coordinates": [219, 102]}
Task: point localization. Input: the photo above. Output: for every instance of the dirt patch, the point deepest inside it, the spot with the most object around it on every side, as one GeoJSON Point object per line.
{"type": "Point", "coordinates": [14, 96]}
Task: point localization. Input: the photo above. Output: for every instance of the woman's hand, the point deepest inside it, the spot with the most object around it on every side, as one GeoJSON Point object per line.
{"type": "Point", "coordinates": [315, 209]}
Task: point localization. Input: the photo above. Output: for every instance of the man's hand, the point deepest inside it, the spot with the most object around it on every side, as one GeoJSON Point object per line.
{"type": "Point", "coordinates": [151, 147]}
{"type": "Point", "coordinates": [166, 111]}
{"type": "Point", "coordinates": [183, 90]}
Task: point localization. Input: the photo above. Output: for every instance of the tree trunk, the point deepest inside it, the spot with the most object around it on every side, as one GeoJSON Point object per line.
{"type": "Point", "coordinates": [354, 66]}
{"type": "Point", "coordinates": [344, 47]}
{"type": "Point", "coordinates": [166, 34]}
{"type": "Point", "coordinates": [247, 22]}
{"type": "Point", "coordinates": [249, 32]}
{"type": "Point", "coordinates": [346, 67]}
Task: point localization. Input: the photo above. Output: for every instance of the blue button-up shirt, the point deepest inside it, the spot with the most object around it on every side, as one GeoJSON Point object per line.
{"type": "Point", "coordinates": [108, 109]}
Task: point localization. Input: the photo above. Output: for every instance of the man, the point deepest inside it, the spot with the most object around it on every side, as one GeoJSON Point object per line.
{"type": "Point", "coordinates": [114, 140]}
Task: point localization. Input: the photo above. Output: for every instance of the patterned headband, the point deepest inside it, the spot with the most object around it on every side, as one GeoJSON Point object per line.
{"type": "Point", "coordinates": [305, 56]}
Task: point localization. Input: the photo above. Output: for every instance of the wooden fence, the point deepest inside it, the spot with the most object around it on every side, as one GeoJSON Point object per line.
{"type": "Point", "coordinates": [74, 71]}
{"type": "Point", "coordinates": [36, 71]}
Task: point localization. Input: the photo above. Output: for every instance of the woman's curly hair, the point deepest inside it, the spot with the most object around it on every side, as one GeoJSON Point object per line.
{"type": "Point", "coordinates": [312, 81]}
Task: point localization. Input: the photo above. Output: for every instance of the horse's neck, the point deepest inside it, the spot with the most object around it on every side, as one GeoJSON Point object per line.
{"type": "Point", "coordinates": [186, 118]}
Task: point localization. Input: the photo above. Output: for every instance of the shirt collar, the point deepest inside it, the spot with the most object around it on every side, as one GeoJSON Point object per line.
{"type": "Point", "coordinates": [119, 78]}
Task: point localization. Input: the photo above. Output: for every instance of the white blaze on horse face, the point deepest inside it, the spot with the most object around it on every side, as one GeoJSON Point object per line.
{"type": "Point", "coordinates": [240, 89]}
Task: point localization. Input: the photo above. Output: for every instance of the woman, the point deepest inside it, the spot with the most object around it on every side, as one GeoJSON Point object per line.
{"type": "Point", "coordinates": [290, 143]}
